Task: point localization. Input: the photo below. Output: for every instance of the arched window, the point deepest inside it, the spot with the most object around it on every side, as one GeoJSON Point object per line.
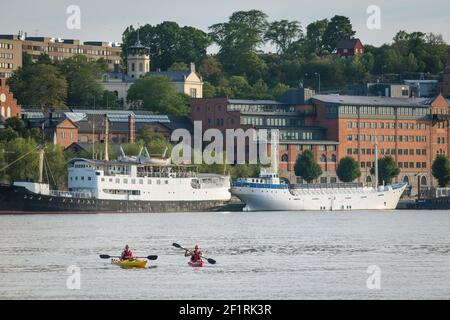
{"type": "Point", "coordinates": [8, 112]}
{"type": "Point", "coordinates": [369, 179]}
{"type": "Point", "coordinates": [323, 158]}
{"type": "Point", "coordinates": [423, 181]}
{"type": "Point", "coordinates": [133, 68]}
{"type": "Point", "coordinates": [285, 158]}
{"type": "Point", "coordinates": [3, 112]}
{"type": "Point", "coordinates": [333, 158]}
{"type": "Point", "coordinates": [406, 179]}
{"type": "Point", "coordinates": [141, 67]}
{"type": "Point", "coordinates": [105, 78]}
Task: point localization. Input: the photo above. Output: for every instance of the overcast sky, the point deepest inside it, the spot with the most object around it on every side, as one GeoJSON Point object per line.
{"type": "Point", "coordinates": [106, 19]}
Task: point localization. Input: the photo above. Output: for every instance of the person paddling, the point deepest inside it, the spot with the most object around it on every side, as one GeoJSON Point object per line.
{"type": "Point", "coordinates": [195, 255]}
{"type": "Point", "coordinates": [127, 254]}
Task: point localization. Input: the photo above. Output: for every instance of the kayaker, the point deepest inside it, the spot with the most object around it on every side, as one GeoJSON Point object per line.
{"type": "Point", "coordinates": [127, 254]}
{"type": "Point", "coordinates": [195, 255]}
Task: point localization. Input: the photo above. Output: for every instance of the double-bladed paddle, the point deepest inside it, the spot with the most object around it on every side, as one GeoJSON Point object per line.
{"type": "Point", "coordinates": [211, 261]}
{"type": "Point", "coordinates": [105, 256]}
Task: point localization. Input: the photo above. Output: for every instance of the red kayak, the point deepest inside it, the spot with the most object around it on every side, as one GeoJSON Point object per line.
{"type": "Point", "coordinates": [196, 264]}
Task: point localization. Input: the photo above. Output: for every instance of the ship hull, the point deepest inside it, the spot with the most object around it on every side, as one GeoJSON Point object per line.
{"type": "Point", "coordinates": [267, 199]}
{"type": "Point", "coordinates": [18, 200]}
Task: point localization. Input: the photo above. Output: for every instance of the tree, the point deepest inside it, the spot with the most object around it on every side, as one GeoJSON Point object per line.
{"type": "Point", "coordinates": [55, 166]}
{"type": "Point", "coordinates": [278, 89]}
{"type": "Point", "coordinates": [314, 35]}
{"type": "Point", "coordinates": [338, 29]}
{"type": "Point", "coordinates": [16, 124]}
{"type": "Point", "coordinates": [209, 91]}
{"type": "Point", "coordinates": [387, 170]}
{"type": "Point", "coordinates": [40, 85]}
{"type": "Point", "coordinates": [157, 94]}
{"type": "Point", "coordinates": [155, 142]}
{"type": "Point", "coordinates": [441, 170]}
{"type": "Point", "coordinates": [22, 154]}
{"type": "Point", "coordinates": [307, 167]}
{"type": "Point", "coordinates": [239, 39]}
{"type": "Point", "coordinates": [82, 76]}
{"type": "Point", "coordinates": [239, 86]}
{"type": "Point", "coordinates": [348, 169]}
{"type": "Point", "coordinates": [168, 43]}
{"type": "Point", "coordinates": [283, 34]}
{"type": "Point", "coordinates": [179, 66]}
{"type": "Point", "coordinates": [211, 69]}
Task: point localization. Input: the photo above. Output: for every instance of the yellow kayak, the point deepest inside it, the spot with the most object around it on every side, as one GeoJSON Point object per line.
{"type": "Point", "coordinates": [130, 263]}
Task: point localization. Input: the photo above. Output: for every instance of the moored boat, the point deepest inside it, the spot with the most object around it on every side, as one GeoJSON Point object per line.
{"type": "Point", "coordinates": [130, 263]}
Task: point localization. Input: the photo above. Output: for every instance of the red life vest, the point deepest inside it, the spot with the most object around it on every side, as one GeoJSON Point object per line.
{"type": "Point", "coordinates": [196, 256]}
{"type": "Point", "coordinates": [127, 254]}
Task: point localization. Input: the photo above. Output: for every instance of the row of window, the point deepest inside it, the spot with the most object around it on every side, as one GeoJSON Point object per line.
{"type": "Point", "coordinates": [73, 50]}
{"type": "Point", "coordinates": [8, 46]}
{"type": "Point", "coordinates": [260, 108]}
{"type": "Point", "coordinates": [4, 55]}
{"type": "Point", "coordinates": [5, 65]}
{"type": "Point", "coordinates": [6, 113]}
{"type": "Point", "coordinates": [400, 152]}
{"type": "Point", "coordinates": [383, 111]}
{"type": "Point", "coordinates": [402, 165]}
{"type": "Point", "coordinates": [386, 125]}
{"type": "Point", "coordinates": [389, 138]}
{"type": "Point", "coordinates": [301, 147]}
{"type": "Point", "coordinates": [323, 158]}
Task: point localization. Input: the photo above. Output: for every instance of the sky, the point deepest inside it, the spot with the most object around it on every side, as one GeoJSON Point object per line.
{"type": "Point", "coordinates": [105, 20]}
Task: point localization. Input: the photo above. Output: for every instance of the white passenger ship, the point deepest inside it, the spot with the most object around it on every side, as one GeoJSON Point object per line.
{"type": "Point", "coordinates": [268, 193]}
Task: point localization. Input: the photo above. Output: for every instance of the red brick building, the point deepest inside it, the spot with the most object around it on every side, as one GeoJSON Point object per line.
{"type": "Point", "coordinates": [348, 48]}
{"type": "Point", "coordinates": [445, 84]}
{"type": "Point", "coordinates": [410, 130]}
{"type": "Point", "coordinates": [8, 105]}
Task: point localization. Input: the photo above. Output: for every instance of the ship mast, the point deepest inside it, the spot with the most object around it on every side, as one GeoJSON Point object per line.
{"type": "Point", "coordinates": [41, 164]}
{"type": "Point", "coordinates": [376, 160]}
{"type": "Point", "coordinates": [274, 142]}
{"type": "Point", "coordinates": [106, 138]}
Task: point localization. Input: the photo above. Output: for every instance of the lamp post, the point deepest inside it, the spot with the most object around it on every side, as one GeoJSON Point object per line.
{"type": "Point", "coordinates": [318, 74]}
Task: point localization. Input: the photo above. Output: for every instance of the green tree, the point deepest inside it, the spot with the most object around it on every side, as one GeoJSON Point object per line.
{"type": "Point", "coordinates": [338, 29]}
{"type": "Point", "coordinates": [179, 66]}
{"type": "Point", "coordinates": [348, 169]}
{"type": "Point", "coordinates": [238, 40]}
{"type": "Point", "coordinates": [441, 170]}
{"type": "Point", "coordinates": [278, 89]}
{"type": "Point", "coordinates": [209, 91]}
{"type": "Point", "coordinates": [211, 69]}
{"type": "Point", "coordinates": [82, 76]}
{"type": "Point", "coordinates": [314, 35]}
{"type": "Point", "coordinates": [157, 94]}
{"type": "Point", "coordinates": [155, 142]}
{"type": "Point", "coordinates": [55, 166]}
{"type": "Point", "coordinates": [387, 170]}
{"type": "Point", "coordinates": [40, 85]}
{"type": "Point", "coordinates": [239, 86]}
{"type": "Point", "coordinates": [283, 34]}
{"type": "Point", "coordinates": [22, 155]}
{"type": "Point", "coordinates": [307, 167]}
{"type": "Point", "coordinates": [16, 124]}
{"type": "Point", "coordinates": [168, 43]}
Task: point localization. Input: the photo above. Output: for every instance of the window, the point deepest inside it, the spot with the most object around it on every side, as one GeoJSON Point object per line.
{"type": "Point", "coordinates": [285, 158]}
{"type": "Point", "coordinates": [323, 180]}
{"type": "Point", "coordinates": [323, 158]}
{"type": "Point", "coordinates": [193, 92]}
{"type": "Point", "coordinates": [333, 158]}
{"type": "Point", "coordinates": [349, 151]}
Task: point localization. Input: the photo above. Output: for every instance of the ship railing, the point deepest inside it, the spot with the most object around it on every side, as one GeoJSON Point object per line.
{"type": "Point", "coordinates": [166, 175]}
{"type": "Point", "coordinates": [71, 194]}
{"type": "Point", "coordinates": [350, 185]}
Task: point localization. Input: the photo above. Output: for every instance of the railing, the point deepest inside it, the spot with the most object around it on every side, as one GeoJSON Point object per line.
{"type": "Point", "coordinates": [71, 194]}
{"type": "Point", "coordinates": [351, 185]}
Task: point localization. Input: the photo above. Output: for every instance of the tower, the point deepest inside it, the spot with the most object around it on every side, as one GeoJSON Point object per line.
{"type": "Point", "coordinates": [138, 60]}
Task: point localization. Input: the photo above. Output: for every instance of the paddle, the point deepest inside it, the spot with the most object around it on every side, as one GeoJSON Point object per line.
{"type": "Point", "coordinates": [105, 256]}
{"type": "Point", "coordinates": [176, 245]}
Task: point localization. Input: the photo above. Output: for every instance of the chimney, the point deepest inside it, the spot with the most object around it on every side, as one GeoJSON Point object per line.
{"type": "Point", "coordinates": [192, 67]}
{"type": "Point", "coordinates": [131, 128]}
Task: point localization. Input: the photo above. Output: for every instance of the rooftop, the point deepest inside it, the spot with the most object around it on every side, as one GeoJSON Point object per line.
{"type": "Point", "coordinates": [256, 102]}
{"type": "Point", "coordinates": [347, 44]}
{"type": "Point", "coordinates": [373, 101]}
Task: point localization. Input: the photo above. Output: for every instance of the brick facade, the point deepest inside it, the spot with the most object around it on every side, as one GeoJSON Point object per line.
{"type": "Point", "coordinates": [8, 104]}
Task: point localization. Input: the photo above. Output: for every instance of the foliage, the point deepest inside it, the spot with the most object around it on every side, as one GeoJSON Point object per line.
{"type": "Point", "coordinates": [441, 170]}
{"type": "Point", "coordinates": [307, 167]}
{"type": "Point", "coordinates": [157, 94]}
{"type": "Point", "coordinates": [39, 84]}
{"type": "Point", "coordinates": [155, 142]}
{"type": "Point", "coordinates": [348, 169]}
{"type": "Point", "coordinates": [387, 170]}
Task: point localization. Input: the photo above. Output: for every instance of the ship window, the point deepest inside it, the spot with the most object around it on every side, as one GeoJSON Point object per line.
{"type": "Point", "coordinates": [158, 181]}
{"type": "Point", "coordinates": [110, 179]}
{"type": "Point", "coordinates": [76, 178]}
{"type": "Point", "coordinates": [149, 181]}
{"type": "Point", "coordinates": [166, 182]}
{"type": "Point", "coordinates": [117, 180]}
{"type": "Point", "coordinates": [103, 179]}
{"type": "Point", "coordinates": [125, 180]}
{"type": "Point", "coordinates": [133, 181]}
{"type": "Point", "coordinates": [141, 181]}
{"type": "Point", "coordinates": [89, 178]}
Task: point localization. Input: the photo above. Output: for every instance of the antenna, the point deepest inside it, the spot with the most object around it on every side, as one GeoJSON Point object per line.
{"type": "Point", "coordinates": [106, 138]}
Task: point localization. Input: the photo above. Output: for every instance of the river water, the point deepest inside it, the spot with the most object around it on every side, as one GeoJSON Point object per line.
{"type": "Point", "coordinates": [270, 255]}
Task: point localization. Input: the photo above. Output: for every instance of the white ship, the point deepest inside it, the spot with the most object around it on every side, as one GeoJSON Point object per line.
{"type": "Point", "coordinates": [268, 193]}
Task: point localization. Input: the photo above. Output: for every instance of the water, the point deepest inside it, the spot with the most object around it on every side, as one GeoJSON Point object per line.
{"type": "Point", "coordinates": [260, 255]}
